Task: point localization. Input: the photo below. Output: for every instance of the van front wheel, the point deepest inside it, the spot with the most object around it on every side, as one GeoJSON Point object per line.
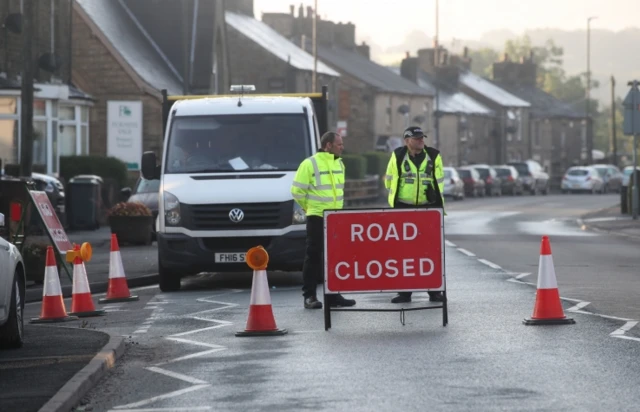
{"type": "Point", "coordinates": [169, 280]}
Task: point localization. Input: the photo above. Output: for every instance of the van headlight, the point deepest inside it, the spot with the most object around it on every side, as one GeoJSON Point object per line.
{"type": "Point", "coordinates": [171, 209]}
{"type": "Point", "coordinates": [299, 216]}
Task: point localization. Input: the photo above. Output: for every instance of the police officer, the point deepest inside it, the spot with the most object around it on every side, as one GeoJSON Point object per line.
{"type": "Point", "coordinates": [319, 185]}
{"type": "Point", "coordinates": [415, 179]}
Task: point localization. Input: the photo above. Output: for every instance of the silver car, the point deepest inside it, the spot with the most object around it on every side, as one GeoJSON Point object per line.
{"type": "Point", "coordinates": [12, 293]}
{"type": "Point", "coordinates": [453, 184]}
{"type": "Point", "coordinates": [582, 179]}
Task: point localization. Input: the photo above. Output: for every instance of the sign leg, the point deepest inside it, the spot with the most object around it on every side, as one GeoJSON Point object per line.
{"type": "Point", "coordinates": [445, 311]}
{"type": "Point", "coordinates": [327, 313]}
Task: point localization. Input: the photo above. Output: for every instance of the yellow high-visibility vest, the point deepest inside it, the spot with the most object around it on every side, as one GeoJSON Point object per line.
{"type": "Point", "coordinates": [319, 184]}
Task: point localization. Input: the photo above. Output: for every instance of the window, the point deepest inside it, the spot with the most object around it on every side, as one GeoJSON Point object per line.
{"type": "Point", "coordinates": [9, 134]}
{"type": "Point", "coordinates": [73, 130]}
{"type": "Point", "coordinates": [147, 186]}
{"type": "Point", "coordinates": [228, 143]}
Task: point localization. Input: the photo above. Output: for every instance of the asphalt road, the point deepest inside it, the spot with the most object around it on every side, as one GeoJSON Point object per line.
{"type": "Point", "coordinates": [601, 269]}
{"type": "Point", "coordinates": [182, 353]}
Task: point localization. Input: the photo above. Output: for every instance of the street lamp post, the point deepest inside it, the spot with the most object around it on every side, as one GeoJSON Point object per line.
{"type": "Point", "coordinates": [589, 134]}
{"type": "Point", "coordinates": [436, 62]}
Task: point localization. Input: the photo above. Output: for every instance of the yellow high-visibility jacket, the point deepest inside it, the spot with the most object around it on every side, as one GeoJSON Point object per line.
{"type": "Point", "coordinates": [319, 184]}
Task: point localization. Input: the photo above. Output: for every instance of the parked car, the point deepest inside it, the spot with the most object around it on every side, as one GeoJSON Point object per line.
{"type": "Point", "coordinates": [493, 183]}
{"type": "Point", "coordinates": [55, 192]}
{"type": "Point", "coordinates": [510, 178]}
{"type": "Point", "coordinates": [626, 175]}
{"type": "Point", "coordinates": [612, 177]}
{"type": "Point", "coordinates": [581, 179]}
{"type": "Point", "coordinates": [146, 192]}
{"type": "Point", "coordinates": [534, 178]}
{"type": "Point", "coordinates": [12, 294]}
{"type": "Point", "coordinates": [453, 184]}
{"type": "Point", "coordinates": [473, 183]}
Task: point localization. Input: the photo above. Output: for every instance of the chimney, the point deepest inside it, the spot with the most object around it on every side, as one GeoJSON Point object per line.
{"type": "Point", "coordinates": [241, 6]}
{"type": "Point", "coordinates": [409, 68]}
{"type": "Point", "coordinates": [465, 53]}
{"type": "Point", "coordinates": [300, 12]}
{"type": "Point", "coordinates": [309, 12]}
{"type": "Point", "coordinates": [364, 50]}
{"type": "Point", "coordinates": [505, 57]}
{"type": "Point", "coordinates": [521, 73]}
{"type": "Point", "coordinates": [448, 76]}
{"type": "Point", "coordinates": [407, 55]}
{"type": "Point", "coordinates": [292, 9]}
{"type": "Point", "coordinates": [426, 60]}
{"type": "Point", "coordinates": [531, 55]}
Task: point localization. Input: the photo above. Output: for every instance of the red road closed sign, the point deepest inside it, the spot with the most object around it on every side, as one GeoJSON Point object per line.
{"type": "Point", "coordinates": [385, 250]}
{"type": "Point", "coordinates": [51, 221]}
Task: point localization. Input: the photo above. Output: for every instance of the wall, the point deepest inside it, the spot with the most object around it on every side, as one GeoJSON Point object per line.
{"type": "Point", "coordinates": [356, 101]}
{"type": "Point", "coordinates": [97, 71]}
{"type": "Point", "coordinates": [396, 125]}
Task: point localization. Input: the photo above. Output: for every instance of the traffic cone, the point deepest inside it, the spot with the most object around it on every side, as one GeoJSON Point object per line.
{"type": "Point", "coordinates": [81, 299]}
{"type": "Point", "coordinates": [261, 321]}
{"type": "Point", "coordinates": [53, 309]}
{"type": "Point", "coordinates": [118, 290]}
{"type": "Point", "coordinates": [548, 307]}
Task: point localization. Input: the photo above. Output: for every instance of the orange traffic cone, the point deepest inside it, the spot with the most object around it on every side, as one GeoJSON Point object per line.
{"type": "Point", "coordinates": [118, 290]}
{"type": "Point", "coordinates": [53, 309]}
{"type": "Point", "coordinates": [261, 321]}
{"type": "Point", "coordinates": [81, 300]}
{"type": "Point", "coordinates": [548, 307]}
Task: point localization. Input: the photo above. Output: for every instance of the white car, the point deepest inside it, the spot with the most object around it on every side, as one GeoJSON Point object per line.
{"type": "Point", "coordinates": [581, 179]}
{"type": "Point", "coordinates": [626, 175]}
{"type": "Point", "coordinates": [12, 293]}
{"type": "Point", "coordinates": [453, 185]}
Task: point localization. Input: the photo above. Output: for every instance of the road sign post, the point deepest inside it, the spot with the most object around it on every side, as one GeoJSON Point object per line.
{"type": "Point", "coordinates": [384, 250]}
{"type": "Point", "coordinates": [632, 127]}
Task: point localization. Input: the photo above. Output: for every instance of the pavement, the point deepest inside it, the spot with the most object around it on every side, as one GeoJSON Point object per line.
{"type": "Point", "coordinates": [61, 365]}
{"type": "Point", "coordinates": [610, 220]}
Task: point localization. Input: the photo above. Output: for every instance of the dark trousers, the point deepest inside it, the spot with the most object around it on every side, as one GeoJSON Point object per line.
{"type": "Point", "coordinates": [399, 205]}
{"type": "Point", "coordinates": [312, 267]}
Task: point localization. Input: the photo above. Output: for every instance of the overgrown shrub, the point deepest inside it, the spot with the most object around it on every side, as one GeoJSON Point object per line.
{"type": "Point", "coordinates": [129, 209]}
{"type": "Point", "coordinates": [105, 167]}
{"type": "Point", "coordinates": [355, 165]}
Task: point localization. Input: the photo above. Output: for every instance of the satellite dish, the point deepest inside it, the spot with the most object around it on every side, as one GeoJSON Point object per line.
{"type": "Point", "coordinates": [49, 62]}
{"type": "Point", "coordinates": [404, 109]}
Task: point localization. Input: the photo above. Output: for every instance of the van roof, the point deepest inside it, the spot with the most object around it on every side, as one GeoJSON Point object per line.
{"type": "Point", "coordinates": [250, 105]}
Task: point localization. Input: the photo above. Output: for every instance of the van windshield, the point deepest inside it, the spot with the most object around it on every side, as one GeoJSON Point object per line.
{"type": "Point", "coordinates": [237, 143]}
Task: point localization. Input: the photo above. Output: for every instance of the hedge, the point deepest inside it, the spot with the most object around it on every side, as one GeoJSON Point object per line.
{"type": "Point", "coordinates": [105, 167]}
{"type": "Point", "coordinates": [355, 165]}
{"type": "Point", "coordinates": [377, 162]}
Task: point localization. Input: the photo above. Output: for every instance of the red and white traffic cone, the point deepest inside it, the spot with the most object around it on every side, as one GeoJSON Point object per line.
{"type": "Point", "coordinates": [81, 299]}
{"type": "Point", "coordinates": [548, 307]}
{"type": "Point", "coordinates": [53, 309]}
{"type": "Point", "coordinates": [118, 290]}
{"type": "Point", "coordinates": [261, 321]}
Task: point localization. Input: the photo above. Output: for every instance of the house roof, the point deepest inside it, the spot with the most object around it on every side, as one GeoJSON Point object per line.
{"type": "Point", "coordinates": [491, 91]}
{"type": "Point", "coordinates": [370, 72]}
{"type": "Point", "coordinates": [275, 43]}
{"type": "Point", "coordinates": [457, 102]}
{"type": "Point", "coordinates": [78, 94]}
{"type": "Point", "coordinates": [127, 39]}
{"type": "Point", "coordinates": [542, 103]}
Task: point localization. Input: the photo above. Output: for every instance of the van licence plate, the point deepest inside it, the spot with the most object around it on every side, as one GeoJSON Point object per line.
{"type": "Point", "coordinates": [230, 257]}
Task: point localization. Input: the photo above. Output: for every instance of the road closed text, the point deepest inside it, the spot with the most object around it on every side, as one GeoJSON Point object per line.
{"type": "Point", "coordinates": [390, 268]}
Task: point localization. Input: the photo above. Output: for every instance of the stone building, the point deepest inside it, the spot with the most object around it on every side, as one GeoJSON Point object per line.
{"type": "Point", "coordinates": [106, 63]}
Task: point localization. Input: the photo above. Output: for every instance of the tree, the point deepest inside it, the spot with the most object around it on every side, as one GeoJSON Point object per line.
{"type": "Point", "coordinates": [482, 61]}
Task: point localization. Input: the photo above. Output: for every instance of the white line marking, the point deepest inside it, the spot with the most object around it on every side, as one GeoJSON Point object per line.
{"type": "Point", "coordinates": [161, 397]}
{"type": "Point", "coordinates": [141, 331]}
{"type": "Point", "coordinates": [625, 328]}
{"type": "Point", "coordinates": [194, 408]}
{"type": "Point", "coordinates": [578, 306]}
{"type": "Point", "coordinates": [222, 324]}
{"type": "Point", "coordinates": [522, 275]}
{"type": "Point", "coordinates": [465, 251]}
{"type": "Point", "coordinates": [584, 312]}
{"type": "Point", "coordinates": [176, 375]}
{"type": "Point", "coordinates": [626, 337]}
{"type": "Point", "coordinates": [450, 244]}
{"type": "Point", "coordinates": [571, 300]}
{"type": "Point", "coordinates": [490, 264]}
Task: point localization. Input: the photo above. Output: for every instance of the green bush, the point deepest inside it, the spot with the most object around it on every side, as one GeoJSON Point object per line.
{"type": "Point", "coordinates": [377, 162]}
{"type": "Point", "coordinates": [105, 167]}
{"type": "Point", "coordinates": [355, 166]}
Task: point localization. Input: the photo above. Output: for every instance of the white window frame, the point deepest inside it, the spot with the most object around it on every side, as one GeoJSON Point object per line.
{"type": "Point", "coordinates": [78, 123]}
{"type": "Point", "coordinates": [16, 117]}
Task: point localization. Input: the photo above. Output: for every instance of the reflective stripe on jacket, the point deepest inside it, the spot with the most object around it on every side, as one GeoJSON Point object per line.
{"type": "Point", "coordinates": [319, 184]}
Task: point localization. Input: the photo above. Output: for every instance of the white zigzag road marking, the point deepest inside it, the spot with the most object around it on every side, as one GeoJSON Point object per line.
{"type": "Point", "coordinates": [212, 348]}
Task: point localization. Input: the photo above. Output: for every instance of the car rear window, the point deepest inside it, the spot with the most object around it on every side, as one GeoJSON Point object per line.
{"type": "Point", "coordinates": [484, 172]}
{"type": "Point", "coordinates": [578, 172]}
{"type": "Point", "coordinates": [447, 174]}
{"type": "Point", "coordinates": [521, 168]}
{"type": "Point", "coordinates": [464, 173]}
{"type": "Point", "coordinates": [601, 171]}
{"type": "Point", "coordinates": [503, 172]}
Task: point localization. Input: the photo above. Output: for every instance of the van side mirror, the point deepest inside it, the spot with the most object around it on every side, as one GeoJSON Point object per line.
{"type": "Point", "coordinates": [1, 219]}
{"type": "Point", "coordinates": [125, 193]}
{"type": "Point", "coordinates": [149, 169]}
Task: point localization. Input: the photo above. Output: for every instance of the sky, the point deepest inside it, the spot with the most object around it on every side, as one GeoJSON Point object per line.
{"type": "Point", "coordinates": [387, 23]}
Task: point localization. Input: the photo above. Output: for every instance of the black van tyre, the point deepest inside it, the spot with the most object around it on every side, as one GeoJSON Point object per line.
{"type": "Point", "coordinates": [12, 332]}
{"type": "Point", "coordinates": [169, 280]}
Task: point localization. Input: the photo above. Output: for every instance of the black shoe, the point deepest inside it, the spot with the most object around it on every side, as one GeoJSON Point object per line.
{"type": "Point", "coordinates": [312, 303]}
{"type": "Point", "coordinates": [401, 299]}
{"type": "Point", "coordinates": [340, 300]}
{"type": "Point", "coordinates": [436, 297]}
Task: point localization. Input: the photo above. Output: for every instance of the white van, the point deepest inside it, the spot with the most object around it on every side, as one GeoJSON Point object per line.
{"type": "Point", "coordinates": [225, 180]}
